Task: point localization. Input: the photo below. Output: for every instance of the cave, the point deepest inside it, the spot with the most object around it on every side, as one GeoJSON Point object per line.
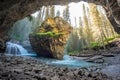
{"type": "Point", "coordinates": [15, 11]}
{"type": "Point", "coordinates": [11, 11]}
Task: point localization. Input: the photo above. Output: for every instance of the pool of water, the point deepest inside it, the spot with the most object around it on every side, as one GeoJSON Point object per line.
{"type": "Point", "coordinates": [18, 50]}
{"type": "Point", "coordinates": [66, 62]}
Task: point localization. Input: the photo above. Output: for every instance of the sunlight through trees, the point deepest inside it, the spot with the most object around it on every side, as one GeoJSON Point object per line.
{"type": "Point", "coordinates": [91, 26]}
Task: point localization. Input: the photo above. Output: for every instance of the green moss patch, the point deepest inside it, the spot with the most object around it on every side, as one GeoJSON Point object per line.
{"type": "Point", "coordinates": [109, 39]}
{"type": "Point", "coordinates": [50, 34]}
{"type": "Point", "coordinates": [95, 44]}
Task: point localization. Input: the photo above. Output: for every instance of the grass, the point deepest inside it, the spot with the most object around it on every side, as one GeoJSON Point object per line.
{"type": "Point", "coordinates": [109, 39]}
{"type": "Point", "coordinates": [95, 45]}
{"type": "Point", "coordinates": [50, 34]}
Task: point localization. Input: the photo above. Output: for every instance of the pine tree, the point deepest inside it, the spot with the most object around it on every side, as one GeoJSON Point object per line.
{"type": "Point", "coordinates": [58, 13]}
{"type": "Point", "coordinates": [88, 30]}
{"type": "Point", "coordinates": [47, 12]}
{"type": "Point", "coordinates": [66, 13]}
{"type": "Point", "coordinates": [52, 11]}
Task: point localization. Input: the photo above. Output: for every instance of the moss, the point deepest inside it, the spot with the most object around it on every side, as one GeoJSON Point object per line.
{"type": "Point", "coordinates": [95, 44]}
{"type": "Point", "coordinates": [72, 53]}
{"type": "Point", "coordinates": [50, 34]}
{"type": "Point", "coordinates": [109, 39]}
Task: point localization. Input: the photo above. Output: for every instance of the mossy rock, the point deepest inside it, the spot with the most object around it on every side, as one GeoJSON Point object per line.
{"type": "Point", "coordinates": [51, 37]}
{"type": "Point", "coordinates": [50, 34]}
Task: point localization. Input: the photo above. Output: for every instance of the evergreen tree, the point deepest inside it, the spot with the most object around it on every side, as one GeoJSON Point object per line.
{"type": "Point", "coordinates": [52, 11]}
{"type": "Point", "coordinates": [58, 13]}
{"type": "Point", "coordinates": [47, 12]}
{"type": "Point", "coordinates": [66, 14]}
{"type": "Point", "coordinates": [87, 29]}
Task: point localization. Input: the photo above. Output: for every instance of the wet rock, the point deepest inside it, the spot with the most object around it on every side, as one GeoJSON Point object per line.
{"type": "Point", "coordinates": [118, 78]}
{"type": "Point", "coordinates": [60, 74]}
{"type": "Point", "coordinates": [96, 59]}
{"type": "Point", "coordinates": [70, 74]}
{"type": "Point", "coordinates": [108, 55]}
{"type": "Point", "coordinates": [55, 78]}
{"type": "Point", "coordinates": [41, 71]}
{"type": "Point", "coordinates": [65, 69]}
{"type": "Point", "coordinates": [80, 72]}
{"type": "Point", "coordinates": [99, 61]}
{"type": "Point", "coordinates": [18, 70]}
{"type": "Point", "coordinates": [37, 77]}
{"type": "Point", "coordinates": [50, 39]}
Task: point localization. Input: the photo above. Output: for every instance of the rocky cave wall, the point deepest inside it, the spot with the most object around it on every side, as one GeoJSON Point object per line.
{"type": "Point", "coordinates": [13, 10]}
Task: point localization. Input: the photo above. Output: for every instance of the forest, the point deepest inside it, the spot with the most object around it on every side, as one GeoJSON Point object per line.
{"type": "Point", "coordinates": [91, 29]}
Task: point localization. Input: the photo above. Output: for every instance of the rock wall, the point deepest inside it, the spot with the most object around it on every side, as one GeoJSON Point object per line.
{"type": "Point", "coordinates": [113, 11]}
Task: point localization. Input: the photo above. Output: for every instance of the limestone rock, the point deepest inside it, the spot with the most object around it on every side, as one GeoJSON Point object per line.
{"type": "Point", "coordinates": [50, 39]}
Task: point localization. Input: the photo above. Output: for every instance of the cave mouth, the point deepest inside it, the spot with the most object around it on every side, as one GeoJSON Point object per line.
{"type": "Point", "coordinates": [91, 26]}
{"type": "Point", "coordinates": [92, 48]}
{"type": "Point", "coordinates": [19, 33]}
{"type": "Point", "coordinates": [91, 30]}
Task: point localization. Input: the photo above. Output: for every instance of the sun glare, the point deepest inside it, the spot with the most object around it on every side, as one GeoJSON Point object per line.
{"type": "Point", "coordinates": [75, 10]}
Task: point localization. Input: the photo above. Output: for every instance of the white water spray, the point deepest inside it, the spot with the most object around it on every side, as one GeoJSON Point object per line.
{"type": "Point", "coordinates": [15, 49]}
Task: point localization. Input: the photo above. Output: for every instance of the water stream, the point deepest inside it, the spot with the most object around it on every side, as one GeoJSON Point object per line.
{"type": "Point", "coordinates": [18, 50]}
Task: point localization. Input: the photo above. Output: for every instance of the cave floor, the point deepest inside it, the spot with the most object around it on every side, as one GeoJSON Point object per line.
{"type": "Point", "coordinates": [21, 68]}
{"type": "Point", "coordinates": [28, 68]}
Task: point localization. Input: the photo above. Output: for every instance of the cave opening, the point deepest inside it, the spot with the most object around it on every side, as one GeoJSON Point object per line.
{"type": "Point", "coordinates": [72, 41]}
{"type": "Point", "coordinates": [91, 27]}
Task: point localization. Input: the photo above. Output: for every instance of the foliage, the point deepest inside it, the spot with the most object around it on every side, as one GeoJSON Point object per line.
{"type": "Point", "coordinates": [66, 13]}
{"type": "Point", "coordinates": [74, 43]}
{"type": "Point", "coordinates": [109, 39]}
{"type": "Point", "coordinates": [58, 13]}
{"type": "Point", "coordinates": [94, 32]}
{"type": "Point", "coordinates": [50, 34]}
{"type": "Point", "coordinates": [52, 11]}
{"type": "Point", "coordinates": [95, 44]}
{"type": "Point", "coordinates": [72, 53]}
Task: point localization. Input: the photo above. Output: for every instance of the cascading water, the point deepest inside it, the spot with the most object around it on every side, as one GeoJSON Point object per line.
{"type": "Point", "coordinates": [71, 62]}
{"type": "Point", "coordinates": [15, 49]}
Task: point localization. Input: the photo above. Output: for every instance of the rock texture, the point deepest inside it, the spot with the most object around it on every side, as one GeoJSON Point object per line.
{"type": "Point", "coordinates": [19, 68]}
{"type": "Point", "coordinates": [112, 8]}
{"type": "Point", "coordinates": [51, 38]}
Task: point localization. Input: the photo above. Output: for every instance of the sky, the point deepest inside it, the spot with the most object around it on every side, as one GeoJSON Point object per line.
{"type": "Point", "coordinates": [75, 10]}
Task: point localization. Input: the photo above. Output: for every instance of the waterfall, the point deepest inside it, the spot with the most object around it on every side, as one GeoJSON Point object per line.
{"type": "Point", "coordinates": [15, 49]}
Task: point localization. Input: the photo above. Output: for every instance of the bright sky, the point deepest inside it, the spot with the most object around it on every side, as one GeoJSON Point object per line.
{"type": "Point", "coordinates": [76, 10]}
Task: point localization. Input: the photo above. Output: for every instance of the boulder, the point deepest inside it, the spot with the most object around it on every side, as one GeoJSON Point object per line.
{"type": "Point", "coordinates": [50, 38]}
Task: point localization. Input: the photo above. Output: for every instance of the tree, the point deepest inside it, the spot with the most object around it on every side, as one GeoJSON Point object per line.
{"type": "Point", "coordinates": [47, 12]}
{"type": "Point", "coordinates": [52, 11]}
{"type": "Point", "coordinates": [58, 13]}
{"type": "Point", "coordinates": [87, 29]}
{"type": "Point", "coordinates": [66, 13]}
{"type": "Point", "coordinates": [98, 22]}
